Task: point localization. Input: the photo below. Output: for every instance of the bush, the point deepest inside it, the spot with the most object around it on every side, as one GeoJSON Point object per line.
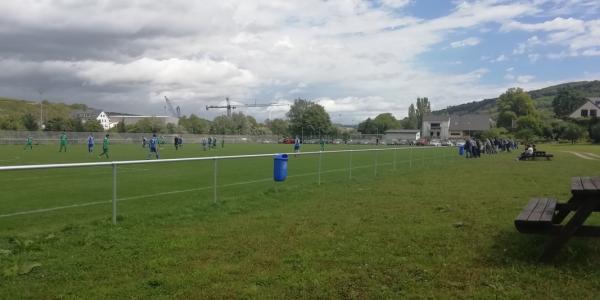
{"type": "Point", "coordinates": [595, 133]}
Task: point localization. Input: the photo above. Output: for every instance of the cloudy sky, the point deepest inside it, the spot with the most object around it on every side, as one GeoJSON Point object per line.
{"type": "Point", "coordinates": [357, 58]}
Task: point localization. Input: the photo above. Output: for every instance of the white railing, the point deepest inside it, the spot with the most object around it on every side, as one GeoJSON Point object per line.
{"type": "Point", "coordinates": [215, 160]}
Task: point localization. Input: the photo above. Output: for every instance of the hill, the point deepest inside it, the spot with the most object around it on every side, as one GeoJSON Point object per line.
{"type": "Point", "coordinates": [12, 110]}
{"type": "Point", "coordinates": [542, 98]}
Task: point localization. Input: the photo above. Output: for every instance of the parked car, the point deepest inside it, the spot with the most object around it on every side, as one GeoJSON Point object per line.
{"type": "Point", "coordinates": [436, 143]}
{"type": "Point", "coordinates": [422, 142]}
{"type": "Point", "coordinates": [447, 143]}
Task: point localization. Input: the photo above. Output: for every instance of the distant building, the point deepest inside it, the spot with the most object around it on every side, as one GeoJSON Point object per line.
{"type": "Point", "coordinates": [85, 115]}
{"type": "Point", "coordinates": [397, 135]}
{"type": "Point", "coordinates": [131, 119]}
{"type": "Point", "coordinates": [455, 126]}
{"type": "Point", "coordinates": [589, 109]}
{"type": "Point", "coordinates": [105, 121]}
{"type": "Point", "coordinates": [469, 125]}
{"type": "Point", "coordinates": [436, 127]}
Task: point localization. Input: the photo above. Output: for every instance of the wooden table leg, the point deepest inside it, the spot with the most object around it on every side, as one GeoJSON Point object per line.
{"type": "Point", "coordinates": [557, 242]}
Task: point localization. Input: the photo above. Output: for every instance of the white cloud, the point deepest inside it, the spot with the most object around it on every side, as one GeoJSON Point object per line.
{"type": "Point", "coordinates": [525, 78]}
{"type": "Point", "coordinates": [356, 57]}
{"type": "Point", "coordinates": [557, 24]}
{"type": "Point", "coordinates": [395, 3]}
{"type": "Point", "coordinates": [533, 57]}
{"type": "Point", "coordinates": [472, 41]}
{"type": "Point", "coordinates": [578, 36]}
{"type": "Point", "coordinates": [500, 58]}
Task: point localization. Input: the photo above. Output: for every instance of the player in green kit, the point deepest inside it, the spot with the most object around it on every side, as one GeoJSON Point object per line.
{"type": "Point", "coordinates": [105, 144]}
{"type": "Point", "coordinates": [63, 142]}
{"type": "Point", "coordinates": [29, 143]}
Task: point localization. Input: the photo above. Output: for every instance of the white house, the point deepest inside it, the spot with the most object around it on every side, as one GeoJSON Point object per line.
{"type": "Point", "coordinates": [397, 135]}
{"type": "Point", "coordinates": [436, 127]}
{"type": "Point", "coordinates": [589, 109]}
{"type": "Point", "coordinates": [105, 121]}
{"type": "Point", "coordinates": [455, 126]}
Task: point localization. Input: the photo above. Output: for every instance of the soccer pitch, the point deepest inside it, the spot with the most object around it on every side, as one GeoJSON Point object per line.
{"type": "Point", "coordinates": [43, 196]}
{"type": "Point", "coordinates": [437, 225]}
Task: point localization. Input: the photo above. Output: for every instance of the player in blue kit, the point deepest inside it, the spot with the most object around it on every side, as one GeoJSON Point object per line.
{"type": "Point", "coordinates": [153, 146]}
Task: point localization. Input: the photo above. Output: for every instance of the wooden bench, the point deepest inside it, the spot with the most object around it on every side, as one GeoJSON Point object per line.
{"type": "Point", "coordinates": [537, 216]}
{"type": "Point", "coordinates": [547, 216]}
{"type": "Point", "coordinates": [535, 155]}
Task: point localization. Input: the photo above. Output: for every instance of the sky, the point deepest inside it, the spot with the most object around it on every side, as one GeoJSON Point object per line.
{"type": "Point", "coordinates": [356, 58]}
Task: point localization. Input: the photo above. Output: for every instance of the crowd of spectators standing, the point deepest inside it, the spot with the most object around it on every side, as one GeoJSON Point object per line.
{"type": "Point", "coordinates": [474, 147]}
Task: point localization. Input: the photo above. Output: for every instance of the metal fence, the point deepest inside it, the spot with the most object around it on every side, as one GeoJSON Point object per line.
{"type": "Point", "coordinates": [444, 153]}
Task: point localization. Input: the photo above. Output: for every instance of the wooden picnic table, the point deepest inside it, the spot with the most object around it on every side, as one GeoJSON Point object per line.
{"type": "Point", "coordinates": [546, 216]}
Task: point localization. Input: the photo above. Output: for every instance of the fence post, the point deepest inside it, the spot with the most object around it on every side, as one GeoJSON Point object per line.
{"type": "Point", "coordinates": [395, 150]}
{"type": "Point", "coordinates": [376, 157]}
{"type": "Point", "coordinates": [350, 166]}
{"type": "Point", "coordinates": [114, 198]}
{"type": "Point", "coordinates": [410, 150]}
{"type": "Point", "coordinates": [215, 181]}
{"type": "Point", "coordinates": [319, 170]}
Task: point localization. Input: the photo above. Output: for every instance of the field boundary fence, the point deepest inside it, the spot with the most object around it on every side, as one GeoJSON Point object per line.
{"type": "Point", "coordinates": [413, 160]}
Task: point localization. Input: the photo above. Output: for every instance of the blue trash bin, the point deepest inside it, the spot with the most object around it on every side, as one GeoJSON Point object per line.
{"type": "Point", "coordinates": [280, 167]}
{"type": "Point", "coordinates": [461, 150]}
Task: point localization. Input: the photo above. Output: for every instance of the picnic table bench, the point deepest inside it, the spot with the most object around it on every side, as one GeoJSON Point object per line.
{"type": "Point", "coordinates": [536, 154]}
{"type": "Point", "coordinates": [546, 215]}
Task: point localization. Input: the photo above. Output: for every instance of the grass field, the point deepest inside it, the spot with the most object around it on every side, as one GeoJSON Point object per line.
{"type": "Point", "coordinates": [435, 227]}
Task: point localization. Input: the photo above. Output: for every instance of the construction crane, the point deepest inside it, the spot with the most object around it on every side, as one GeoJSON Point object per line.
{"type": "Point", "coordinates": [175, 112]}
{"type": "Point", "coordinates": [230, 107]}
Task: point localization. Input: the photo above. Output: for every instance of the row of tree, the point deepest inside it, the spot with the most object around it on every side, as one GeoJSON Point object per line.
{"type": "Point", "coordinates": [385, 121]}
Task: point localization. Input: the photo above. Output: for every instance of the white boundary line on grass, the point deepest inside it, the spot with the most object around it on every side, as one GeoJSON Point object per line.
{"type": "Point", "coordinates": [42, 210]}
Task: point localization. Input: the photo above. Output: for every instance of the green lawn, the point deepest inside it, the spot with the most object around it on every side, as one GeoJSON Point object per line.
{"type": "Point", "coordinates": [436, 226]}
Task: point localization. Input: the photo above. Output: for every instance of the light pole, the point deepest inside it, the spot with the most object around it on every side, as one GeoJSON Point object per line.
{"type": "Point", "coordinates": [41, 111]}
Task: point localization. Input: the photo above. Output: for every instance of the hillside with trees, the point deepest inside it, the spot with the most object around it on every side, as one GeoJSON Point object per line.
{"type": "Point", "coordinates": [542, 99]}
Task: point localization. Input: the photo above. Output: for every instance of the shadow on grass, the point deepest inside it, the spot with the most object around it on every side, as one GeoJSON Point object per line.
{"type": "Point", "coordinates": [513, 248]}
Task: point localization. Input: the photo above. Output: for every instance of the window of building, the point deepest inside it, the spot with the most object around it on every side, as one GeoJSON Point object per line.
{"type": "Point", "coordinates": [584, 112]}
{"type": "Point", "coordinates": [431, 133]}
{"type": "Point", "coordinates": [438, 134]}
{"type": "Point", "coordinates": [593, 113]}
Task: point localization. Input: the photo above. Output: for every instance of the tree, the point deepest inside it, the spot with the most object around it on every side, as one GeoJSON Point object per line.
{"type": "Point", "coordinates": [278, 126]}
{"type": "Point", "coordinates": [93, 126]}
{"type": "Point", "coordinates": [595, 133]}
{"type": "Point", "coordinates": [147, 125]}
{"type": "Point", "coordinates": [526, 135]}
{"type": "Point", "coordinates": [423, 108]}
{"type": "Point", "coordinates": [30, 122]}
{"type": "Point", "coordinates": [171, 128]}
{"type": "Point", "coordinates": [58, 124]}
{"type": "Point", "coordinates": [411, 121]}
{"type": "Point", "coordinates": [513, 104]}
{"type": "Point", "coordinates": [529, 122]}
{"type": "Point", "coordinates": [121, 126]}
{"type": "Point", "coordinates": [573, 132]}
{"type": "Point", "coordinates": [385, 122]}
{"type": "Point", "coordinates": [493, 133]}
{"type": "Point", "coordinates": [308, 117]}
{"type": "Point", "coordinates": [222, 125]}
{"type": "Point", "coordinates": [194, 124]}
{"type": "Point", "coordinates": [567, 101]}
{"type": "Point", "coordinates": [367, 126]}
{"type": "Point", "coordinates": [76, 125]}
